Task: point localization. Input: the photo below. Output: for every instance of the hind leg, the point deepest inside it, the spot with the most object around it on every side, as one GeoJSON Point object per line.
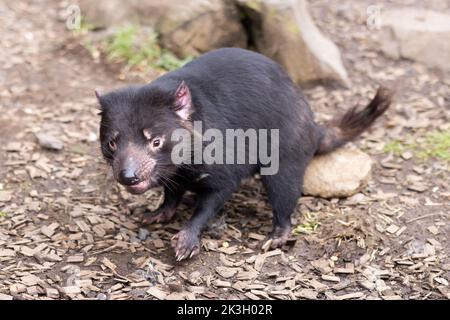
{"type": "Point", "coordinates": [283, 191]}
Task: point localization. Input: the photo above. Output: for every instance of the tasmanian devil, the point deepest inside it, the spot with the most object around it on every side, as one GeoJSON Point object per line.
{"type": "Point", "coordinates": [224, 89]}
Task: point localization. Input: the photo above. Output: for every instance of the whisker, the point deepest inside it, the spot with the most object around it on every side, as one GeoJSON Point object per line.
{"type": "Point", "coordinates": [166, 183]}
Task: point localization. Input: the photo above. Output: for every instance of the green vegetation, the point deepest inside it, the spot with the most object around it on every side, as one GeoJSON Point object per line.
{"type": "Point", "coordinates": [435, 144]}
{"type": "Point", "coordinates": [308, 226]}
{"type": "Point", "coordinates": [3, 214]}
{"type": "Point", "coordinates": [125, 46]}
{"type": "Point", "coordinates": [395, 146]}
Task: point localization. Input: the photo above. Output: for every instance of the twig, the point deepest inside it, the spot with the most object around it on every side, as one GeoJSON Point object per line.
{"type": "Point", "coordinates": [425, 216]}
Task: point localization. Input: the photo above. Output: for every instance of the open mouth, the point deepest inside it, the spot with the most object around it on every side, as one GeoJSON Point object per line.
{"type": "Point", "coordinates": [138, 188]}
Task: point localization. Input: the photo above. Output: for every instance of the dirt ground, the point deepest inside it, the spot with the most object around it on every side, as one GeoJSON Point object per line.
{"type": "Point", "coordinates": [67, 230]}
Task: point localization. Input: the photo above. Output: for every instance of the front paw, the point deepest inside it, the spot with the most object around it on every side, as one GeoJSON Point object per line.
{"type": "Point", "coordinates": [186, 244]}
{"type": "Point", "coordinates": [277, 238]}
{"type": "Point", "coordinates": [160, 215]}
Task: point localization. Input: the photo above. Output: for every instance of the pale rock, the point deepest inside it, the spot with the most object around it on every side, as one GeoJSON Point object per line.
{"type": "Point", "coordinates": [101, 296]}
{"type": "Point", "coordinates": [341, 173]}
{"type": "Point", "coordinates": [48, 141]}
{"type": "Point", "coordinates": [143, 234]}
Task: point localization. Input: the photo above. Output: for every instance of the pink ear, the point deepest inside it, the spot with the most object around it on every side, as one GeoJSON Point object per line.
{"type": "Point", "coordinates": [183, 101]}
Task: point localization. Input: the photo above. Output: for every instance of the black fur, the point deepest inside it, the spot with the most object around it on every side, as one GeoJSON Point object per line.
{"type": "Point", "coordinates": [229, 89]}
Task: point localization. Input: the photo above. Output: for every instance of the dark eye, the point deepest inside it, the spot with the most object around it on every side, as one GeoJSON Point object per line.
{"type": "Point", "coordinates": [112, 145]}
{"type": "Point", "coordinates": [156, 143]}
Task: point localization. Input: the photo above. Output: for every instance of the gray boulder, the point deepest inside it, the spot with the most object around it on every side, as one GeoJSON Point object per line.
{"type": "Point", "coordinates": [280, 29]}
{"type": "Point", "coordinates": [186, 27]}
{"type": "Point", "coordinates": [285, 31]}
{"type": "Point", "coordinates": [417, 34]}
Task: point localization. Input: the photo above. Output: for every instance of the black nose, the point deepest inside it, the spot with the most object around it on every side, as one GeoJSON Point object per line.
{"type": "Point", "coordinates": [127, 177]}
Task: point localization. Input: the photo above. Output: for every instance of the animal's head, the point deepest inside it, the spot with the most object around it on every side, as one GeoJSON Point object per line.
{"type": "Point", "coordinates": [135, 132]}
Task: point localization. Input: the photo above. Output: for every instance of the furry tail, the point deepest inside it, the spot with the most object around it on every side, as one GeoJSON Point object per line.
{"type": "Point", "coordinates": [343, 129]}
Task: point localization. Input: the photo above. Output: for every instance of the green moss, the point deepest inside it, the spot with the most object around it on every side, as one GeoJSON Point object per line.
{"type": "Point", "coordinates": [254, 5]}
{"type": "Point", "coordinates": [168, 61]}
{"type": "Point", "coordinates": [396, 147]}
{"type": "Point", "coordinates": [125, 46]}
{"type": "Point", "coordinates": [435, 144]}
{"type": "Point", "coordinates": [291, 25]}
{"type": "Point", "coordinates": [3, 214]}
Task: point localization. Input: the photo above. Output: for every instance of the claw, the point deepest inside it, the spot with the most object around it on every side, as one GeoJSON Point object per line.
{"type": "Point", "coordinates": [185, 245]}
{"type": "Point", "coordinates": [180, 258]}
{"type": "Point", "coordinates": [276, 239]}
{"type": "Point", "coordinates": [266, 246]}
